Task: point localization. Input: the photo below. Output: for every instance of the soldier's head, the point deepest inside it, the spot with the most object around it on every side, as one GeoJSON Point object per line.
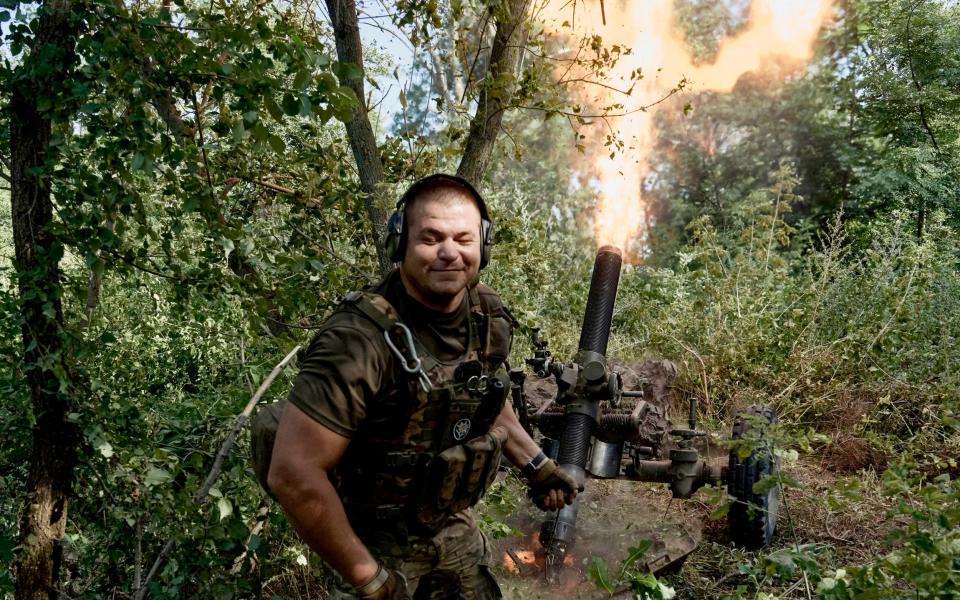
{"type": "Point", "coordinates": [442, 237]}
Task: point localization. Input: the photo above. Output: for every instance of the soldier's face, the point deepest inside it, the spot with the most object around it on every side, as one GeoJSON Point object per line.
{"type": "Point", "coordinates": [443, 248]}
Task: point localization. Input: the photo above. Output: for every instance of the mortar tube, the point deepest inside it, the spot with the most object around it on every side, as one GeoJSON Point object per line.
{"type": "Point", "coordinates": [580, 424]}
{"type": "Point", "coordinates": [603, 294]}
{"type": "Point", "coordinates": [581, 416]}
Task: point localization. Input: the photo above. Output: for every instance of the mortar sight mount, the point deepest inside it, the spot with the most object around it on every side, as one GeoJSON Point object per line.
{"type": "Point", "coordinates": [591, 432]}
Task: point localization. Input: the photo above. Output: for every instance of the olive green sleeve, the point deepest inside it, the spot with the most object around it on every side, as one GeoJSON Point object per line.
{"type": "Point", "coordinates": [343, 369]}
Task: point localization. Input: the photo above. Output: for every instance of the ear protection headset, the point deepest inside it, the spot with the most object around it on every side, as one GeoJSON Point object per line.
{"type": "Point", "coordinates": [396, 242]}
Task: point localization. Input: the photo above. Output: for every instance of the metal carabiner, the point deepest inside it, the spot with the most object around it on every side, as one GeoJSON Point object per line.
{"type": "Point", "coordinates": [413, 365]}
{"type": "Point", "coordinates": [477, 383]}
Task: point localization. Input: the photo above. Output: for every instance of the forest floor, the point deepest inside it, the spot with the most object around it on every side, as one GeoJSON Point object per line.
{"type": "Point", "coordinates": [616, 515]}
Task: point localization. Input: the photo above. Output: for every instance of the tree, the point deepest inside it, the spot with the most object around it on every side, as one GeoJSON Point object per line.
{"type": "Point", "coordinates": [869, 126]}
{"type": "Point", "coordinates": [37, 85]}
{"type": "Point", "coordinates": [110, 113]}
{"type": "Point", "coordinates": [496, 95]}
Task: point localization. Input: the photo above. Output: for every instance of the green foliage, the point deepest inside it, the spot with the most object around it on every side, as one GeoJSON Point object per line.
{"type": "Point", "coordinates": [500, 501]}
{"type": "Point", "coordinates": [224, 239]}
{"type": "Point", "coordinates": [631, 575]}
{"type": "Point", "coordinates": [920, 560]}
{"type": "Point", "coordinates": [926, 551]}
{"type": "Point", "coordinates": [869, 127]}
{"type": "Point", "coordinates": [751, 320]}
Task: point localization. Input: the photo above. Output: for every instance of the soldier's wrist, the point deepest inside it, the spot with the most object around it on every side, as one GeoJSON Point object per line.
{"type": "Point", "coordinates": [530, 469]}
{"type": "Point", "coordinates": [373, 586]}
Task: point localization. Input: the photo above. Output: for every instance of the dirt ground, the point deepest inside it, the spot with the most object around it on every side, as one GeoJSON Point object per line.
{"type": "Point", "coordinates": [614, 515]}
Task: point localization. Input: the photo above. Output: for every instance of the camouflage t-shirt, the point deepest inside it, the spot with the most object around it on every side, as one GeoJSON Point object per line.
{"type": "Point", "coordinates": [348, 361]}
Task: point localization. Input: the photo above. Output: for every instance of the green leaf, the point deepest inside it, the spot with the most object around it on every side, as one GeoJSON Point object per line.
{"type": "Point", "coordinates": [347, 73]}
{"type": "Point", "coordinates": [599, 574]}
{"type": "Point", "coordinates": [305, 106]}
{"type": "Point", "coordinates": [238, 131]}
{"type": "Point", "coordinates": [636, 553]}
{"type": "Point", "coordinates": [227, 245]}
{"type": "Point", "coordinates": [342, 102]}
{"type": "Point", "coordinates": [300, 80]}
{"type": "Point", "coordinates": [6, 549]}
{"type": "Point", "coordinates": [105, 449]}
{"type": "Point", "coordinates": [720, 511]}
{"type": "Point", "coordinates": [291, 105]}
{"type": "Point", "coordinates": [225, 508]}
{"type": "Point", "coordinates": [156, 476]}
{"type": "Point", "coordinates": [258, 132]}
{"type": "Point", "coordinates": [274, 109]}
{"type": "Point", "coordinates": [245, 246]}
{"type": "Point", "coordinates": [765, 484]}
{"type": "Point", "coordinates": [276, 143]}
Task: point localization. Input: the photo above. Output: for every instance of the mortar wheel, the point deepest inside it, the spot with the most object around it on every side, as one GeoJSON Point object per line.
{"type": "Point", "coordinates": [753, 516]}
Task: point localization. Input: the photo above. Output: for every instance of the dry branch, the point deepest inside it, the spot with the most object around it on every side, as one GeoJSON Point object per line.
{"type": "Point", "coordinates": [259, 521]}
{"type": "Point", "coordinates": [203, 493]}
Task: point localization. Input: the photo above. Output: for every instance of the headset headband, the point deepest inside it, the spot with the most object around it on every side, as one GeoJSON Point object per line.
{"type": "Point", "coordinates": [437, 180]}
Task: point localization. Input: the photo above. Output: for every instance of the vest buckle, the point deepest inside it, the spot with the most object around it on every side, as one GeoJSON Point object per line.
{"type": "Point", "coordinates": [401, 458]}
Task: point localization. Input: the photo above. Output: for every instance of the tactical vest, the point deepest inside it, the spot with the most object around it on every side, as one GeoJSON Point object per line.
{"type": "Point", "coordinates": [425, 451]}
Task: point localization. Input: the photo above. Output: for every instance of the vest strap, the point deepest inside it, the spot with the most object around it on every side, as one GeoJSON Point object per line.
{"type": "Point", "coordinates": [386, 319]}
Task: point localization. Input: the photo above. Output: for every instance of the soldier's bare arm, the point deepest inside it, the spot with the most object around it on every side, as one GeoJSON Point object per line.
{"type": "Point", "coordinates": [520, 449]}
{"type": "Point", "coordinates": [303, 456]}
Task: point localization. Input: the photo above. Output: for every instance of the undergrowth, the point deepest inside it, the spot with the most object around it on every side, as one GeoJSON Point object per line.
{"type": "Point", "coordinates": [853, 340]}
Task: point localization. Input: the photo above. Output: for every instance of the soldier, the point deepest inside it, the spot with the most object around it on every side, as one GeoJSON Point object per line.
{"type": "Point", "coordinates": [397, 421]}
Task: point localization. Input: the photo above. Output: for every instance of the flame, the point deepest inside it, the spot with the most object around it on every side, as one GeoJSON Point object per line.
{"type": "Point", "coordinates": [782, 29]}
{"type": "Point", "coordinates": [527, 557]}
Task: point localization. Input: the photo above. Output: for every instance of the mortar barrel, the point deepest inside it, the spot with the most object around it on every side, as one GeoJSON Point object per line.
{"type": "Point", "coordinates": [603, 294]}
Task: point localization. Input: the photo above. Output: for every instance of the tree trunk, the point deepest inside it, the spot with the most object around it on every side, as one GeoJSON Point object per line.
{"type": "Point", "coordinates": [498, 87]}
{"type": "Point", "coordinates": [55, 439]}
{"type": "Point", "coordinates": [497, 91]}
{"type": "Point", "coordinates": [343, 17]}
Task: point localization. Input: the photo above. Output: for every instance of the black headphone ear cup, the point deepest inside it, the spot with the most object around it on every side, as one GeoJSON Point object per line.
{"type": "Point", "coordinates": [394, 241]}
{"type": "Point", "coordinates": [486, 241]}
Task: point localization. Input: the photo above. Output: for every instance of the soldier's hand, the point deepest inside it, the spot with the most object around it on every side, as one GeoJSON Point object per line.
{"type": "Point", "coordinates": [551, 487]}
{"type": "Point", "coordinates": [387, 584]}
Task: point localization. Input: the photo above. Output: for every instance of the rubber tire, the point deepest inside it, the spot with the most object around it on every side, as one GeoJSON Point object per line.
{"type": "Point", "coordinates": [752, 528]}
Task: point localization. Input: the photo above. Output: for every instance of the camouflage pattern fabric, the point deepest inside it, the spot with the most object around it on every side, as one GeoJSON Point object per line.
{"type": "Point", "coordinates": [452, 565]}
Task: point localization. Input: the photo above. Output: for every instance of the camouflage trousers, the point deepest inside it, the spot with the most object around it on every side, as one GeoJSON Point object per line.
{"type": "Point", "coordinates": [454, 564]}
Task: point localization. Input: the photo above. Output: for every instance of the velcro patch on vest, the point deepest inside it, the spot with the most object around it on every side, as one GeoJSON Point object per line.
{"type": "Point", "coordinates": [461, 429]}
